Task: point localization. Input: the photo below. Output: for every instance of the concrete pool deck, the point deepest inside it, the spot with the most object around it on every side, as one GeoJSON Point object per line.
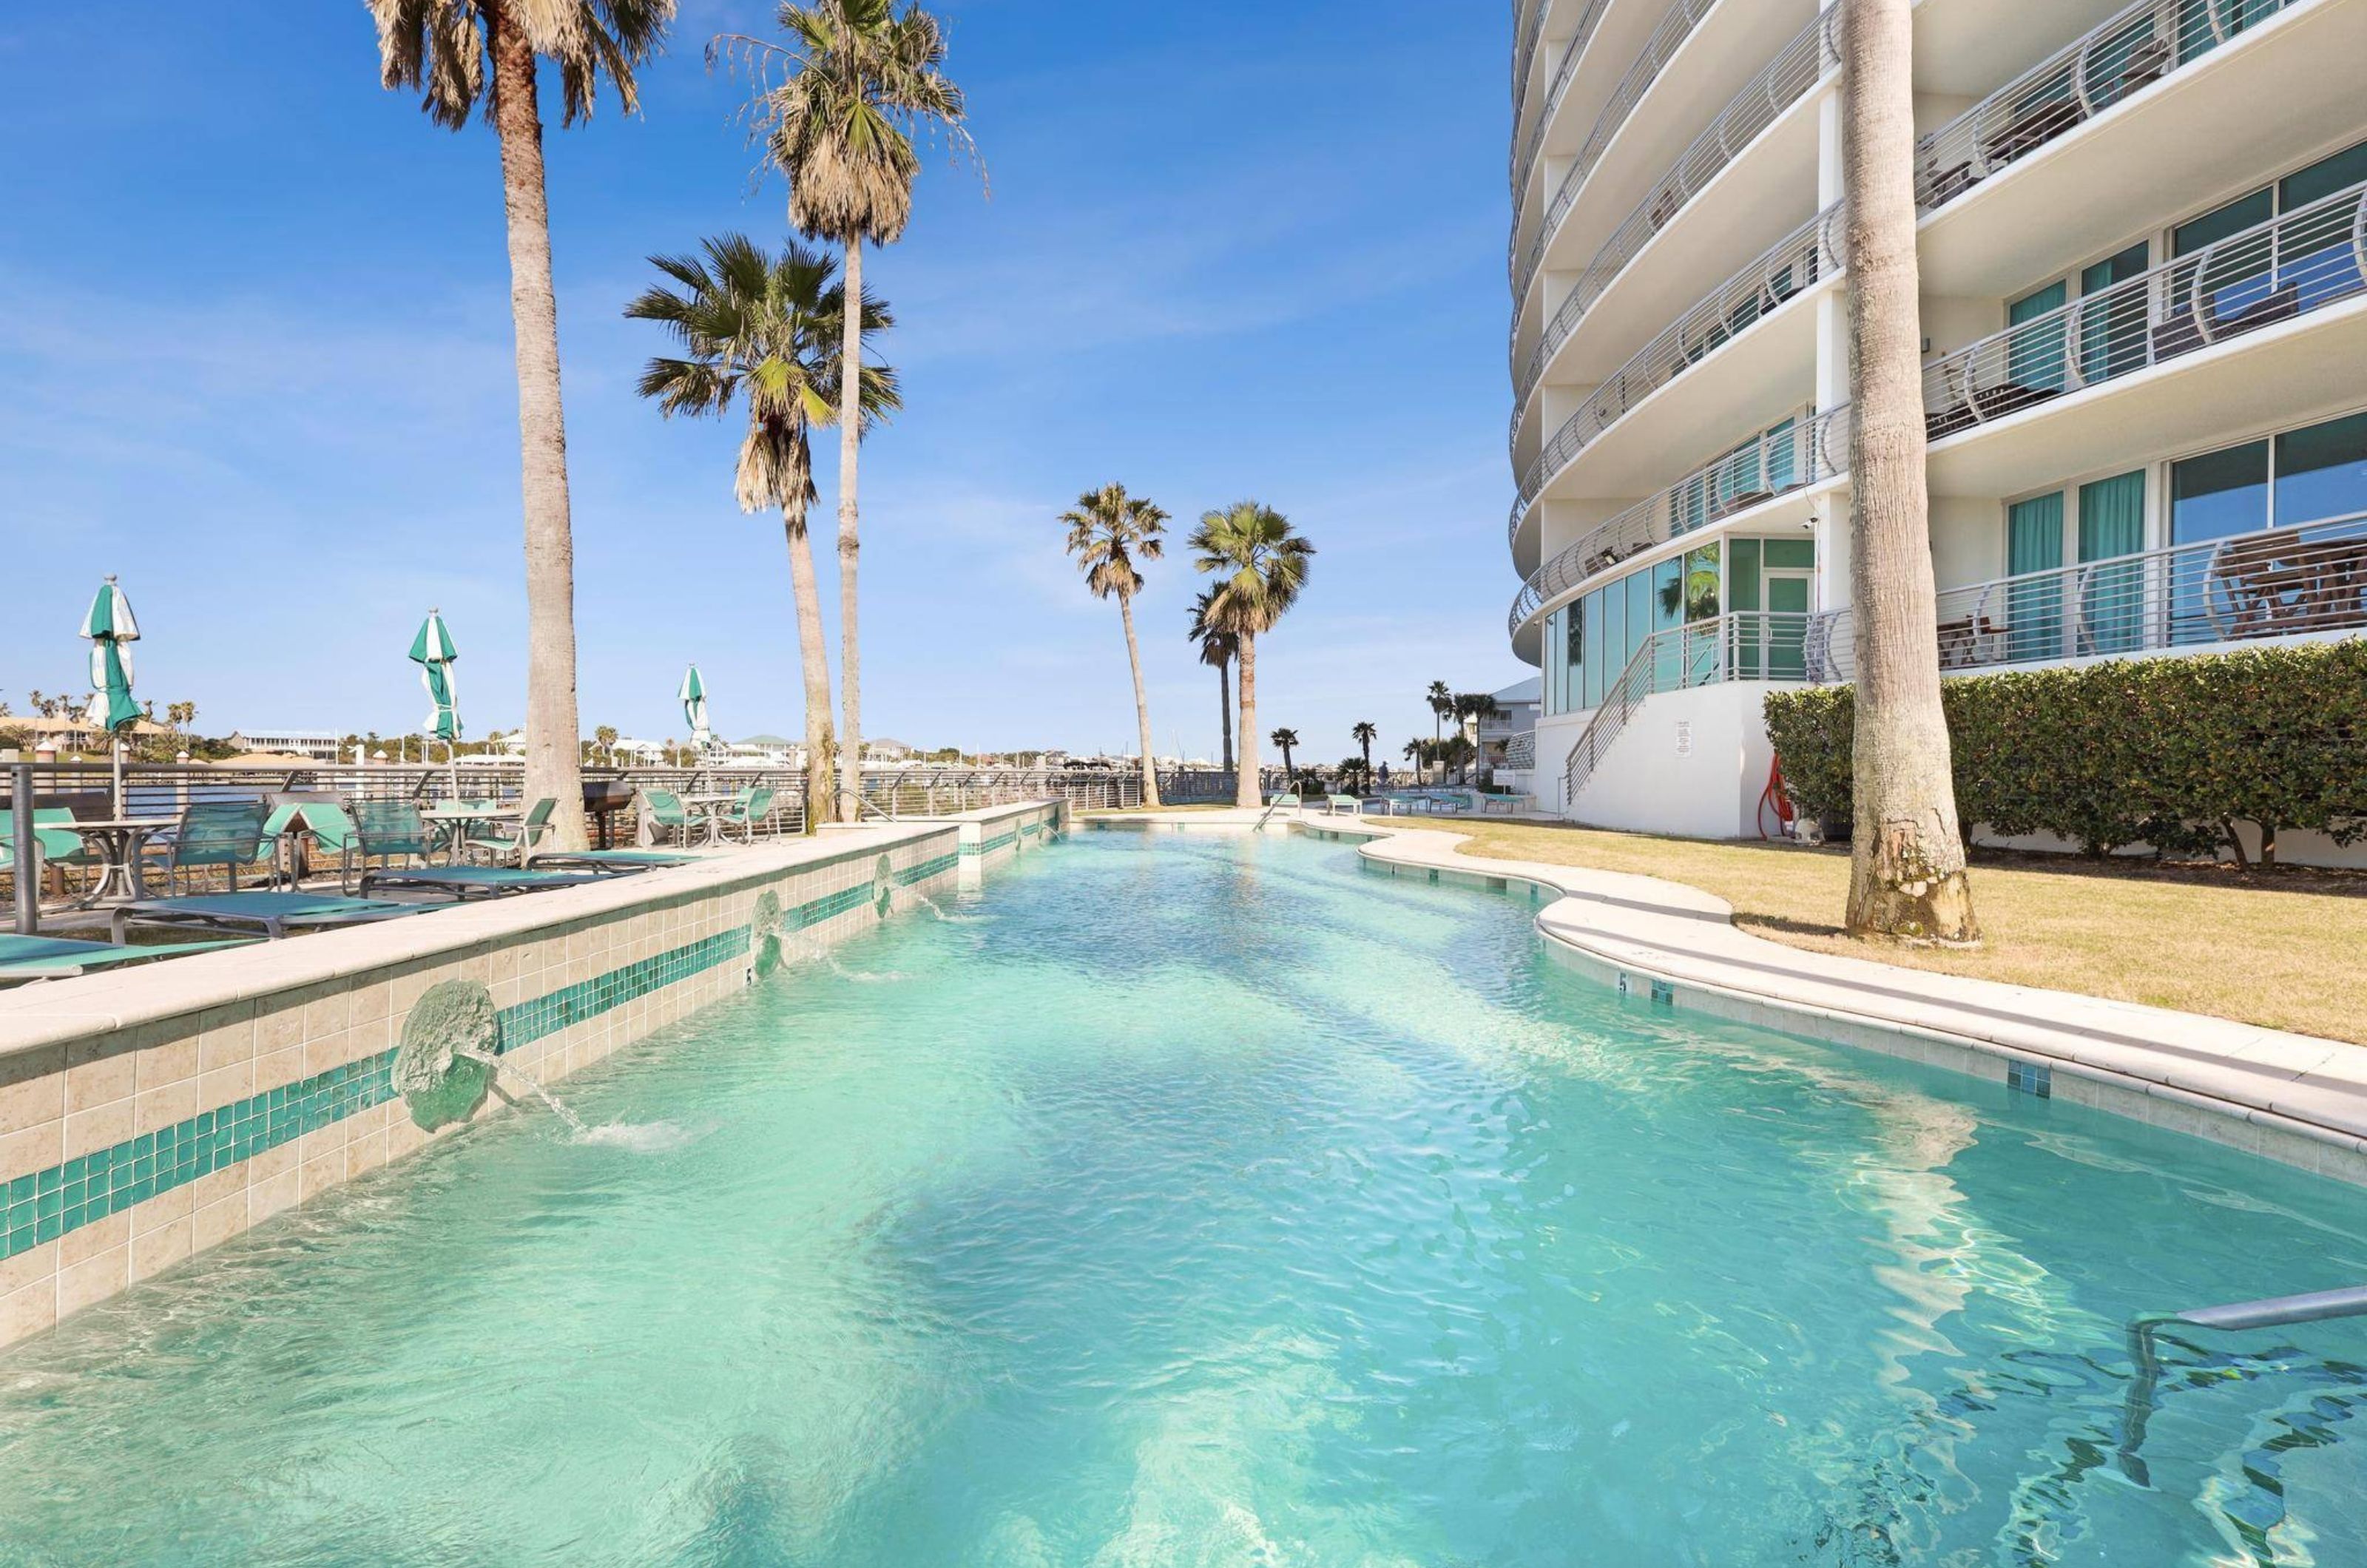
{"type": "Point", "coordinates": [2296, 1099]}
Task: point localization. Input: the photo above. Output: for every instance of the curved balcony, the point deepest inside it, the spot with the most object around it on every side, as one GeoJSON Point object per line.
{"type": "Point", "coordinates": [1795, 264]}
{"type": "Point", "coordinates": [2309, 260]}
{"type": "Point", "coordinates": [2133, 50]}
{"type": "Point", "coordinates": [1807, 454]}
{"type": "Point", "coordinates": [1781, 83]}
{"type": "Point", "coordinates": [1658, 49]}
{"type": "Point", "coordinates": [1527, 31]}
{"type": "Point", "coordinates": [1526, 148]}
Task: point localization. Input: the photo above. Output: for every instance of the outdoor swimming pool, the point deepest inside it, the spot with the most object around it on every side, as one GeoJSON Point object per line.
{"type": "Point", "coordinates": [1185, 1200]}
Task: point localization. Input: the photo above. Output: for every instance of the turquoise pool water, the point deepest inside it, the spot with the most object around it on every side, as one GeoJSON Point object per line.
{"type": "Point", "coordinates": [1186, 1201]}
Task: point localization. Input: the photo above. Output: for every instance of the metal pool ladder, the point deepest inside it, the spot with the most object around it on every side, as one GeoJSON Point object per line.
{"type": "Point", "coordinates": [2277, 1311]}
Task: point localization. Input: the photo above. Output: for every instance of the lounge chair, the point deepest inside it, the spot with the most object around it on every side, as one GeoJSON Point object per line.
{"type": "Point", "coordinates": [59, 958]}
{"type": "Point", "coordinates": [519, 846]}
{"type": "Point", "coordinates": [612, 861]}
{"type": "Point", "coordinates": [274, 913]}
{"type": "Point", "coordinates": [1335, 805]}
{"type": "Point", "coordinates": [392, 830]}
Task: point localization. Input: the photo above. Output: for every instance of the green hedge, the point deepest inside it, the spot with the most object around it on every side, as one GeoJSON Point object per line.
{"type": "Point", "coordinates": [2171, 752]}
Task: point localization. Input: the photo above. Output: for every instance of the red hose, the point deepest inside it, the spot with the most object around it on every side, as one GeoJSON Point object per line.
{"type": "Point", "coordinates": [1775, 796]}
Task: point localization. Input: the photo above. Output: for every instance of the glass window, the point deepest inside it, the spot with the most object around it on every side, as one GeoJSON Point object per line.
{"type": "Point", "coordinates": [1792, 555]}
{"type": "Point", "coordinates": [1742, 593]}
{"type": "Point", "coordinates": [1614, 633]}
{"type": "Point", "coordinates": [1639, 611]}
{"type": "Point", "coordinates": [2323, 178]}
{"type": "Point", "coordinates": [2322, 471]}
{"type": "Point", "coordinates": [2111, 523]}
{"type": "Point", "coordinates": [2034, 358]}
{"type": "Point", "coordinates": [1701, 583]}
{"type": "Point", "coordinates": [1591, 620]}
{"type": "Point", "coordinates": [2219, 493]}
{"type": "Point", "coordinates": [2112, 331]}
{"type": "Point", "coordinates": [2033, 611]}
{"type": "Point", "coordinates": [1551, 664]}
{"type": "Point", "coordinates": [2241, 213]}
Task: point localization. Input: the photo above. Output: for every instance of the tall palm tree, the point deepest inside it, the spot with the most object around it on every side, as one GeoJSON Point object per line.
{"type": "Point", "coordinates": [858, 78]}
{"type": "Point", "coordinates": [1108, 529]}
{"type": "Point", "coordinates": [1442, 703]}
{"type": "Point", "coordinates": [1260, 564]}
{"type": "Point", "coordinates": [1907, 857]}
{"type": "Point", "coordinates": [1217, 649]}
{"type": "Point", "coordinates": [1285, 738]}
{"type": "Point", "coordinates": [1364, 734]}
{"type": "Point", "coordinates": [467, 54]}
{"type": "Point", "coordinates": [771, 329]}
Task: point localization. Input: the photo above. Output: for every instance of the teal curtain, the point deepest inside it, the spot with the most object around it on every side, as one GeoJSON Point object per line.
{"type": "Point", "coordinates": [2033, 543]}
{"type": "Point", "coordinates": [2036, 357]}
{"type": "Point", "coordinates": [2111, 523]}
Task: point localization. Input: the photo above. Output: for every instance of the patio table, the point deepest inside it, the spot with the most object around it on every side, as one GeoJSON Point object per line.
{"type": "Point", "coordinates": [711, 807]}
{"type": "Point", "coordinates": [120, 841]}
{"type": "Point", "coordinates": [455, 821]}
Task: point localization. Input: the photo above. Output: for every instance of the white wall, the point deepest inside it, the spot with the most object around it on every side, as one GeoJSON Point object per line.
{"type": "Point", "coordinates": [1710, 789]}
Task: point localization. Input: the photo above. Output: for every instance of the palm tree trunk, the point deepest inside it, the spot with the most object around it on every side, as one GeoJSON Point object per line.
{"type": "Point", "coordinates": [1245, 779]}
{"type": "Point", "coordinates": [1907, 858]}
{"type": "Point", "coordinates": [553, 766]}
{"type": "Point", "coordinates": [1141, 702]}
{"type": "Point", "coordinates": [850, 547]}
{"type": "Point", "coordinates": [1225, 711]}
{"type": "Point", "coordinates": [813, 663]}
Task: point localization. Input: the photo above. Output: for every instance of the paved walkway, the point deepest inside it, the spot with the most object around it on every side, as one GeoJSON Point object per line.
{"type": "Point", "coordinates": [2292, 1097]}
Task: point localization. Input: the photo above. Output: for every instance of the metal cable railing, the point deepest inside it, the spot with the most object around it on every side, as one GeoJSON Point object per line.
{"type": "Point", "coordinates": [1525, 157]}
{"type": "Point", "coordinates": [2127, 54]}
{"type": "Point", "coordinates": [1807, 451]}
{"type": "Point", "coordinates": [1793, 264]}
{"type": "Point", "coordinates": [2313, 257]}
{"type": "Point", "coordinates": [1748, 645]}
{"type": "Point", "coordinates": [2272, 583]}
{"type": "Point", "coordinates": [1674, 28]}
{"type": "Point", "coordinates": [1528, 32]}
{"type": "Point", "coordinates": [1783, 83]}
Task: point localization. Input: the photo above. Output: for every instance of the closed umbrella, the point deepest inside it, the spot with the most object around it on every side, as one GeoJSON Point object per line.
{"type": "Point", "coordinates": [694, 709]}
{"type": "Point", "coordinates": [433, 651]}
{"type": "Point", "coordinates": [110, 627]}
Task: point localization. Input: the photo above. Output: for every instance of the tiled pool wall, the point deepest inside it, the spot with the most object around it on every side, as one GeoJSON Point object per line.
{"type": "Point", "coordinates": [2075, 1083]}
{"type": "Point", "coordinates": [124, 1151]}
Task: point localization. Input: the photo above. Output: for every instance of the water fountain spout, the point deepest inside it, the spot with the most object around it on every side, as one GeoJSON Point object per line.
{"type": "Point", "coordinates": [501, 1066]}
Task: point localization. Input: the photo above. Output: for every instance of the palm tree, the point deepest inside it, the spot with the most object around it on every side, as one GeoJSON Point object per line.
{"type": "Point", "coordinates": [1907, 857]}
{"type": "Point", "coordinates": [1442, 703]}
{"type": "Point", "coordinates": [1217, 649]}
{"type": "Point", "coordinates": [1260, 566]}
{"type": "Point", "coordinates": [861, 77]}
{"type": "Point", "coordinates": [770, 328]}
{"type": "Point", "coordinates": [1471, 710]}
{"type": "Point", "coordinates": [1285, 738]}
{"type": "Point", "coordinates": [462, 55]}
{"type": "Point", "coordinates": [1364, 734]}
{"type": "Point", "coordinates": [605, 738]}
{"type": "Point", "coordinates": [1107, 529]}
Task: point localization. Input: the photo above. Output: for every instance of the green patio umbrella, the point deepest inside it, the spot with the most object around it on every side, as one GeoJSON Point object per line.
{"type": "Point", "coordinates": [433, 651]}
{"type": "Point", "coordinates": [110, 627]}
{"type": "Point", "coordinates": [694, 709]}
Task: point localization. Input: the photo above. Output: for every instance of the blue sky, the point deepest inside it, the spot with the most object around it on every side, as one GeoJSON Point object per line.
{"type": "Point", "coordinates": [255, 359]}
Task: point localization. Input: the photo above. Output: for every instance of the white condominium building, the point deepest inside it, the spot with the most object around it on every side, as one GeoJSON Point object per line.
{"type": "Point", "coordinates": [2143, 258]}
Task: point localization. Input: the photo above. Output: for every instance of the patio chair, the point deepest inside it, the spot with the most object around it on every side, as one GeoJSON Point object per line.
{"type": "Point", "coordinates": [392, 830]}
{"type": "Point", "coordinates": [612, 861]}
{"type": "Point", "coordinates": [26, 958]}
{"type": "Point", "coordinates": [60, 846]}
{"type": "Point", "coordinates": [666, 814]}
{"type": "Point", "coordinates": [518, 846]}
{"type": "Point", "coordinates": [224, 833]}
{"type": "Point", "coordinates": [748, 807]}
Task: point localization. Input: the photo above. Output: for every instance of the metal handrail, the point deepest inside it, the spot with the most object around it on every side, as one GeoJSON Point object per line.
{"type": "Point", "coordinates": [2309, 259]}
{"type": "Point", "coordinates": [2277, 1311]}
{"type": "Point", "coordinates": [2136, 49]}
{"type": "Point", "coordinates": [1676, 25]}
{"type": "Point", "coordinates": [2271, 582]}
{"type": "Point", "coordinates": [1791, 265]}
{"type": "Point", "coordinates": [1781, 83]}
{"type": "Point", "coordinates": [1811, 452]}
{"type": "Point", "coordinates": [1741, 645]}
{"type": "Point", "coordinates": [1525, 157]}
{"type": "Point", "coordinates": [1525, 51]}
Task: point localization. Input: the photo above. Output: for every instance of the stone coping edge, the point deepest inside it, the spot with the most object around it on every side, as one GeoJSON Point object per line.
{"type": "Point", "coordinates": [51, 1012]}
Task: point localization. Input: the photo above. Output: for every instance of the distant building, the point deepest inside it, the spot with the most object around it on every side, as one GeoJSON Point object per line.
{"type": "Point", "coordinates": [1508, 741]}
{"type": "Point", "coordinates": [887, 751]}
{"type": "Point", "coordinates": [317, 744]}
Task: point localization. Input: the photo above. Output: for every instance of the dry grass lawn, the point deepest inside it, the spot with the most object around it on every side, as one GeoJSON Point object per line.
{"type": "Point", "coordinates": [2286, 951]}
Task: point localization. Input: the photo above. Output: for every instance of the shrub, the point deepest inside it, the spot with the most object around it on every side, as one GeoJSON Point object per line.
{"type": "Point", "coordinates": [2171, 752]}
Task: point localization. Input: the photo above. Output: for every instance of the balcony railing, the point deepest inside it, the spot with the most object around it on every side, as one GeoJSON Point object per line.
{"type": "Point", "coordinates": [1807, 452]}
{"type": "Point", "coordinates": [1674, 30]}
{"type": "Point", "coordinates": [1525, 156]}
{"type": "Point", "coordinates": [2310, 259]}
{"type": "Point", "coordinates": [1751, 645]}
{"type": "Point", "coordinates": [1528, 29]}
{"type": "Point", "coordinates": [2127, 54]}
{"type": "Point", "coordinates": [2266, 583]}
{"type": "Point", "coordinates": [1783, 83]}
{"type": "Point", "coordinates": [1793, 264]}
